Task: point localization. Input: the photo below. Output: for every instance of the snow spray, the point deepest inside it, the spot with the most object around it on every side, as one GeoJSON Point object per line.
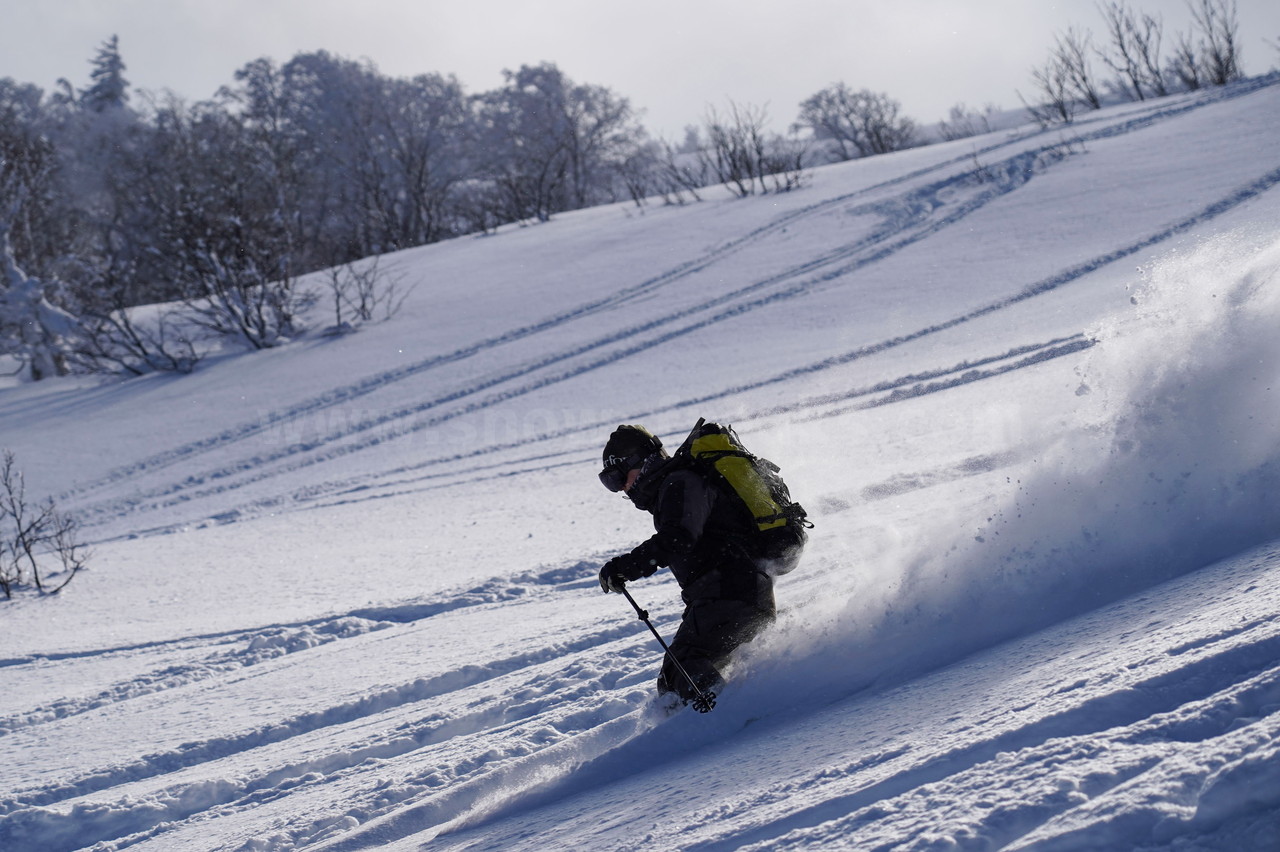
{"type": "Point", "coordinates": [1169, 463]}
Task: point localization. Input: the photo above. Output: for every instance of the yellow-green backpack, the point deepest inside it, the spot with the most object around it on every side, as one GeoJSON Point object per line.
{"type": "Point", "coordinates": [781, 524]}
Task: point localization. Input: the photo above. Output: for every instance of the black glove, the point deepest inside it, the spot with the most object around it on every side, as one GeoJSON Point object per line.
{"type": "Point", "coordinates": [617, 571]}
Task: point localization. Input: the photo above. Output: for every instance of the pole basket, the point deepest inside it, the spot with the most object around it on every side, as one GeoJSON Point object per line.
{"type": "Point", "coordinates": [704, 702]}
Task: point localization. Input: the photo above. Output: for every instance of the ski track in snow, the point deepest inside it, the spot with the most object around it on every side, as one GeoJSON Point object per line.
{"type": "Point", "coordinates": [1195, 703]}
{"type": "Point", "coordinates": [223, 653]}
{"type": "Point", "coordinates": [176, 493]}
{"type": "Point", "coordinates": [905, 220]}
{"type": "Point", "coordinates": [1219, 686]}
{"type": "Point", "coordinates": [380, 486]}
{"type": "Point", "coordinates": [913, 214]}
{"type": "Point", "coordinates": [344, 395]}
{"type": "Point", "coordinates": [409, 478]}
{"type": "Point", "coordinates": [530, 701]}
{"type": "Point", "coordinates": [1219, 689]}
{"type": "Point", "coordinates": [1194, 693]}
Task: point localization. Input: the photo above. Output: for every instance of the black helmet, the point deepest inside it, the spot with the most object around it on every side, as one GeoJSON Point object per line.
{"type": "Point", "coordinates": [625, 451]}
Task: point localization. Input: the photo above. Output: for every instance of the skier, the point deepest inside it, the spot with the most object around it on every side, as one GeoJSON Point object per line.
{"type": "Point", "coordinates": [705, 539]}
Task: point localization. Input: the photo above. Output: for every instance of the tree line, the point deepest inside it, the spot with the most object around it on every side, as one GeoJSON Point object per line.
{"type": "Point", "coordinates": [212, 211]}
{"type": "Point", "coordinates": [1143, 63]}
{"type": "Point", "coordinates": [110, 200]}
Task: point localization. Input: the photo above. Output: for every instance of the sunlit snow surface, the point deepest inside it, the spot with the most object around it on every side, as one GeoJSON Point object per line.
{"type": "Point", "coordinates": [343, 593]}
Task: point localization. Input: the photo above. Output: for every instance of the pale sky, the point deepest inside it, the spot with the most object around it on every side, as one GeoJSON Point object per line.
{"type": "Point", "coordinates": [670, 58]}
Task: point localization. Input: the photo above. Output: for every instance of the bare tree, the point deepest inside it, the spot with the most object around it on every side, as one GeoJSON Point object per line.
{"type": "Point", "coordinates": [525, 149]}
{"type": "Point", "coordinates": [112, 339]}
{"type": "Point", "coordinates": [681, 170]}
{"type": "Point", "coordinates": [1072, 51]}
{"type": "Point", "coordinates": [1134, 50]}
{"type": "Point", "coordinates": [1184, 65]}
{"type": "Point", "coordinates": [362, 291]}
{"type": "Point", "coordinates": [1122, 56]}
{"type": "Point", "coordinates": [1147, 39]}
{"type": "Point", "coordinates": [735, 149]}
{"type": "Point", "coordinates": [962, 122]}
{"type": "Point", "coordinates": [785, 162]}
{"type": "Point", "coordinates": [478, 204]}
{"type": "Point", "coordinates": [31, 536]}
{"type": "Point", "coordinates": [636, 172]}
{"type": "Point", "coordinates": [1065, 82]}
{"type": "Point", "coordinates": [224, 223]}
{"type": "Point", "coordinates": [1055, 102]}
{"type": "Point", "coordinates": [246, 289]}
{"type": "Point", "coordinates": [859, 124]}
{"type": "Point", "coordinates": [1219, 26]}
{"type": "Point", "coordinates": [423, 122]}
{"type": "Point", "coordinates": [603, 132]}
{"type": "Point", "coordinates": [119, 263]}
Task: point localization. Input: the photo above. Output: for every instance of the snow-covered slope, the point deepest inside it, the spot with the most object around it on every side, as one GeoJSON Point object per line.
{"type": "Point", "coordinates": [343, 593]}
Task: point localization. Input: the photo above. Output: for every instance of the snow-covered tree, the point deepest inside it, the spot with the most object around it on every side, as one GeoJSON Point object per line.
{"type": "Point", "coordinates": [31, 165]}
{"type": "Point", "coordinates": [225, 225]}
{"type": "Point", "coordinates": [550, 144]}
{"type": "Point", "coordinates": [32, 328]}
{"type": "Point", "coordinates": [524, 143]}
{"type": "Point", "coordinates": [424, 123]}
{"type": "Point", "coordinates": [858, 123]}
{"type": "Point", "coordinates": [367, 163]}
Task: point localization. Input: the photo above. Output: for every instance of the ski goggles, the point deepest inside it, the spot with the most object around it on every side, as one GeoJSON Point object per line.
{"type": "Point", "coordinates": [616, 468]}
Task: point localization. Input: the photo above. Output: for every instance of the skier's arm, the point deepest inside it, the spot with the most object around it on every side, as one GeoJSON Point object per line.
{"type": "Point", "coordinates": [683, 507]}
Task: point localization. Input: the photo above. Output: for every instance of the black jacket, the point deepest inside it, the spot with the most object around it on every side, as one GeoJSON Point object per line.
{"type": "Point", "coordinates": [703, 536]}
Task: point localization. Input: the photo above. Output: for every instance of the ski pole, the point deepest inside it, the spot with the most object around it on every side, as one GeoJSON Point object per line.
{"type": "Point", "coordinates": [704, 702]}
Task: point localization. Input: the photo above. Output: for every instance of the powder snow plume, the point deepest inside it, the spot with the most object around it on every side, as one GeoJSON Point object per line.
{"type": "Point", "coordinates": [1171, 463]}
{"type": "Point", "coordinates": [1178, 453]}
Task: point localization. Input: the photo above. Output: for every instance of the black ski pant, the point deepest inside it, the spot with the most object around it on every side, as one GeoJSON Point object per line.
{"type": "Point", "coordinates": [710, 631]}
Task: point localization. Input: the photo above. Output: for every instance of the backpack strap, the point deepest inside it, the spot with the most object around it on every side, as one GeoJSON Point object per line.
{"type": "Point", "coordinates": [685, 448]}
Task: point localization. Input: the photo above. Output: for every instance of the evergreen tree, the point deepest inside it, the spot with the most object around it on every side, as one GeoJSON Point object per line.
{"type": "Point", "coordinates": [109, 89]}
